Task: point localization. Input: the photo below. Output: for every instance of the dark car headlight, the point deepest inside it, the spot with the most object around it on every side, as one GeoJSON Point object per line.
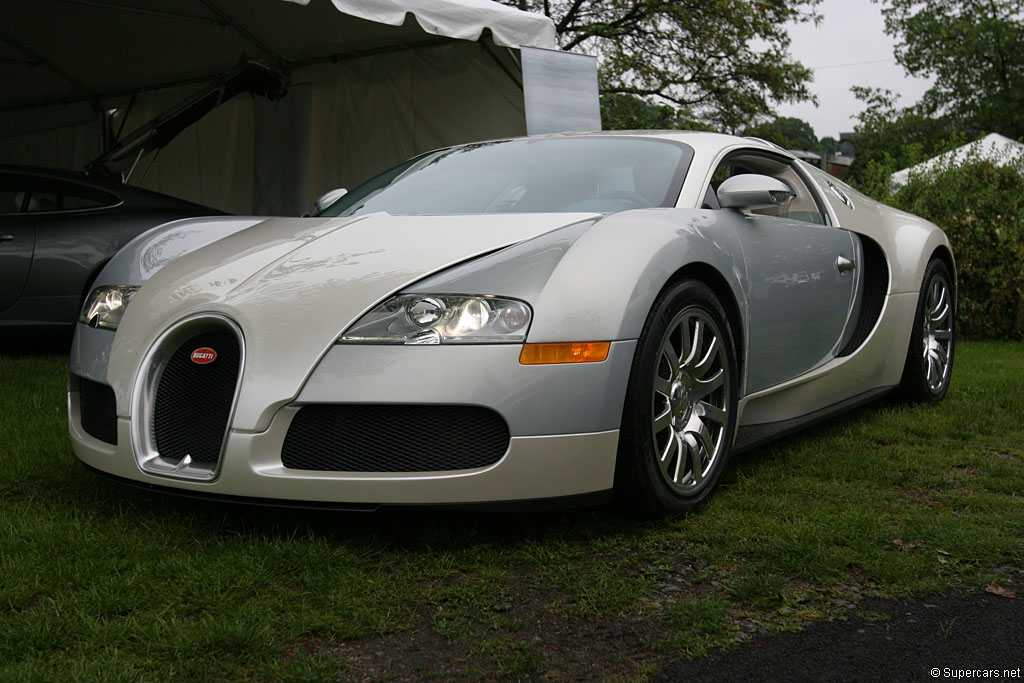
{"type": "Point", "coordinates": [442, 319]}
{"type": "Point", "coordinates": [105, 305]}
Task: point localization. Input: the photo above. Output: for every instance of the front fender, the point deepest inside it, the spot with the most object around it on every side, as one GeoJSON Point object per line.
{"type": "Point", "coordinates": [142, 257]}
{"type": "Point", "coordinates": [606, 283]}
{"type": "Point", "coordinates": [134, 264]}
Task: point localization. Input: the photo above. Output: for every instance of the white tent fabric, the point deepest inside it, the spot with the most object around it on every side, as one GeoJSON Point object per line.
{"type": "Point", "coordinates": [79, 50]}
{"type": "Point", "coordinates": [993, 147]}
{"type": "Point", "coordinates": [373, 82]}
{"type": "Point", "coordinates": [463, 19]}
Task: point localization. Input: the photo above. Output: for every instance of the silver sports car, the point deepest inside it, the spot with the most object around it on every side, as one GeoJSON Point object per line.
{"type": "Point", "coordinates": [511, 322]}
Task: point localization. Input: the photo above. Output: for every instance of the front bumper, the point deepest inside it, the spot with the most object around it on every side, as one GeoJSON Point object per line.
{"type": "Point", "coordinates": [563, 421]}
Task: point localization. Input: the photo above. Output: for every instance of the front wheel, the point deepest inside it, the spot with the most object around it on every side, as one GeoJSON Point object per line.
{"type": "Point", "coordinates": [680, 412]}
{"type": "Point", "coordinates": [929, 364]}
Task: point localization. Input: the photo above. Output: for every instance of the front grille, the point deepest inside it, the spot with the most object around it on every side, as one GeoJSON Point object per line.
{"type": "Point", "coordinates": [99, 410]}
{"type": "Point", "coordinates": [193, 402]}
{"type": "Point", "coordinates": [394, 438]}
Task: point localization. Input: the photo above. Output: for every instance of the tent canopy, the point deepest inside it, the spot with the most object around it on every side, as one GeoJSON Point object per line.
{"type": "Point", "coordinates": [372, 82]}
{"type": "Point", "coordinates": [996, 148]}
{"type": "Point", "coordinates": [62, 51]}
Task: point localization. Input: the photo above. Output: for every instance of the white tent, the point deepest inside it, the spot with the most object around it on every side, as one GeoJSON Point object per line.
{"type": "Point", "coordinates": [372, 82]}
{"type": "Point", "coordinates": [999, 149]}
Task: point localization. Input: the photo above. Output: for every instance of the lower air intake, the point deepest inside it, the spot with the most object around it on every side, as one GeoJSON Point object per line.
{"type": "Point", "coordinates": [394, 438]}
{"type": "Point", "coordinates": [98, 409]}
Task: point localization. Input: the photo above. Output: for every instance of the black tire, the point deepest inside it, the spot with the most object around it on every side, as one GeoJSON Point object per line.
{"type": "Point", "coordinates": [929, 364]}
{"type": "Point", "coordinates": [680, 404]}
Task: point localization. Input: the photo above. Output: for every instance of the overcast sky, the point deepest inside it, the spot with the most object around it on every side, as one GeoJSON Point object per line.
{"type": "Point", "coordinates": [849, 47]}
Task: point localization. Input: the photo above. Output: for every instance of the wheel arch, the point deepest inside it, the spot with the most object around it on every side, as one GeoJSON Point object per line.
{"type": "Point", "coordinates": [944, 254]}
{"type": "Point", "coordinates": [710, 276]}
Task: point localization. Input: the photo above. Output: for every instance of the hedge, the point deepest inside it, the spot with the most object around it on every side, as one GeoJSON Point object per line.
{"type": "Point", "coordinates": [981, 207]}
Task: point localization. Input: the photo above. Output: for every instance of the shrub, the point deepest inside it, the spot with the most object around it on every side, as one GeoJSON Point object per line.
{"type": "Point", "coordinates": [981, 207]}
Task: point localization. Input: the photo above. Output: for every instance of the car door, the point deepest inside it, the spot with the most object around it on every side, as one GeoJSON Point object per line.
{"type": "Point", "coordinates": [799, 298]}
{"type": "Point", "coordinates": [17, 239]}
{"type": "Point", "coordinates": [800, 275]}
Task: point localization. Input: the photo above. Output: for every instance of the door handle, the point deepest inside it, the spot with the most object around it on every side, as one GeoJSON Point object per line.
{"type": "Point", "coordinates": [6, 238]}
{"type": "Point", "coordinates": [844, 265]}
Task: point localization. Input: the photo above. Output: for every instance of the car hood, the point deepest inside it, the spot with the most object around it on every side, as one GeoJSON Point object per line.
{"type": "Point", "coordinates": [293, 285]}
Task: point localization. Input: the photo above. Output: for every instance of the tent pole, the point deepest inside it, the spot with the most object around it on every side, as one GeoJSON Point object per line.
{"type": "Point", "coordinates": [501, 65]}
{"type": "Point", "coordinates": [242, 31]}
{"type": "Point", "coordinates": [39, 60]}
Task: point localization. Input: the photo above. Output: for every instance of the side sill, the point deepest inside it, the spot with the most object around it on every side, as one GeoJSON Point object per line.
{"type": "Point", "coordinates": [750, 436]}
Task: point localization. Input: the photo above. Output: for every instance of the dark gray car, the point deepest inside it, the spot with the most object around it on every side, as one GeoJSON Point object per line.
{"type": "Point", "coordinates": [57, 229]}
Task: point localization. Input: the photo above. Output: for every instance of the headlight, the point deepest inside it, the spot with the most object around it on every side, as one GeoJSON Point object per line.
{"type": "Point", "coordinates": [442, 319]}
{"type": "Point", "coordinates": [105, 306]}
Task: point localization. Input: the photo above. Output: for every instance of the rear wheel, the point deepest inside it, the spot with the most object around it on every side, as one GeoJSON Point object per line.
{"type": "Point", "coordinates": [680, 411]}
{"type": "Point", "coordinates": [929, 363]}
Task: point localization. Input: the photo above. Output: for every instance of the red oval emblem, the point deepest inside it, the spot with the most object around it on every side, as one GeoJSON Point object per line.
{"type": "Point", "coordinates": [204, 355]}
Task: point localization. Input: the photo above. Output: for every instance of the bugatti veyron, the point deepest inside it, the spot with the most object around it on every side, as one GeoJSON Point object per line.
{"type": "Point", "coordinates": [511, 321]}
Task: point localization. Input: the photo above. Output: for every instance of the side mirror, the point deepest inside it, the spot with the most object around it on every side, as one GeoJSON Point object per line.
{"type": "Point", "coordinates": [753, 191]}
{"type": "Point", "coordinates": [326, 199]}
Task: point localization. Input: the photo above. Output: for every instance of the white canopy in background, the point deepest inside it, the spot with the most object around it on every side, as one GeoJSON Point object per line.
{"type": "Point", "coordinates": [372, 82]}
{"type": "Point", "coordinates": [996, 148]}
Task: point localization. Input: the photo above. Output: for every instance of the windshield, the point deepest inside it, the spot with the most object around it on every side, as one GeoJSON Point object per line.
{"type": "Point", "coordinates": [592, 174]}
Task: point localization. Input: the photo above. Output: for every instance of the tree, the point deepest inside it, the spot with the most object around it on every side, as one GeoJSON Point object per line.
{"type": "Point", "coordinates": [788, 132]}
{"type": "Point", "coordinates": [629, 112]}
{"type": "Point", "coordinates": [724, 62]}
{"type": "Point", "coordinates": [890, 137]}
{"type": "Point", "coordinates": [975, 51]}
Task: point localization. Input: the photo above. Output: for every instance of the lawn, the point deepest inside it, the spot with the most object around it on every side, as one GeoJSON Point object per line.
{"type": "Point", "coordinates": [102, 581]}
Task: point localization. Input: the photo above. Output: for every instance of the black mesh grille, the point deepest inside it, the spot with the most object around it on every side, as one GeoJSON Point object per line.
{"type": "Point", "coordinates": [99, 412]}
{"type": "Point", "coordinates": [193, 401]}
{"type": "Point", "coordinates": [394, 438]}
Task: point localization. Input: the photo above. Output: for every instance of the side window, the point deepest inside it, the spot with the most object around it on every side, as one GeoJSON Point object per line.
{"type": "Point", "coordinates": [80, 201]}
{"type": "Point", "coordinates": [48, 195]}
{"type": "Point", "coordinates": [803, 207]}
{"type": "Point", "coordinates": [40, 200]}
{"type": "Point", "coordinates": [13, 193]}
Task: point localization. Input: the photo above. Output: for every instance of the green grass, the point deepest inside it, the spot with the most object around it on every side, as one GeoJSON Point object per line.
{"type": "Point", "coordinates": [102, 581]}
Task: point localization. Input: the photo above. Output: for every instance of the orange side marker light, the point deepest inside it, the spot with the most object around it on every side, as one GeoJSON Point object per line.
{"type": "Point", "coordinates": [567, 352]}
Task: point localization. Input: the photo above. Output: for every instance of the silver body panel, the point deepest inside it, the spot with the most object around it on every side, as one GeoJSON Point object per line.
{"type": "Point", "coordinates": [292, 286]}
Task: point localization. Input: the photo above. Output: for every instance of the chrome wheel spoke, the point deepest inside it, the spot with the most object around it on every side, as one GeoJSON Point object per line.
{"type": "Point", "coordinates": [677, 471]}
{"type": "Point", "coordinates": [662, 421]}
{"type": "Point", "coordinates": [938, 296]}
{"type": "Point", "coordinates": [666, 453]}
{"type": "Point", "coordinates": [696, 458]}
{"type": "Point", "coordinates": [937, 315]}
{"type": "Point", "coordinates": [690, 351]}
{"type": "Point", "coordinates": [668, 357]}
{"type": "Point", "coordinates": [701, 434]}
{"type": "Point", "coordinates": [707, 386]}
{"type": "Point", "coordinates": [711, 412]}
{"type": "Point", "coordinates": [929, 369]}
{"type": "Point", "coordinates": [705, 364]}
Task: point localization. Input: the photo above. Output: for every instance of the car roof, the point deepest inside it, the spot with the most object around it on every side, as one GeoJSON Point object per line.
{"type": "Point", "coordinates": [697, 139]}
{"type": "Point", "coordinates": [130, 193]}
